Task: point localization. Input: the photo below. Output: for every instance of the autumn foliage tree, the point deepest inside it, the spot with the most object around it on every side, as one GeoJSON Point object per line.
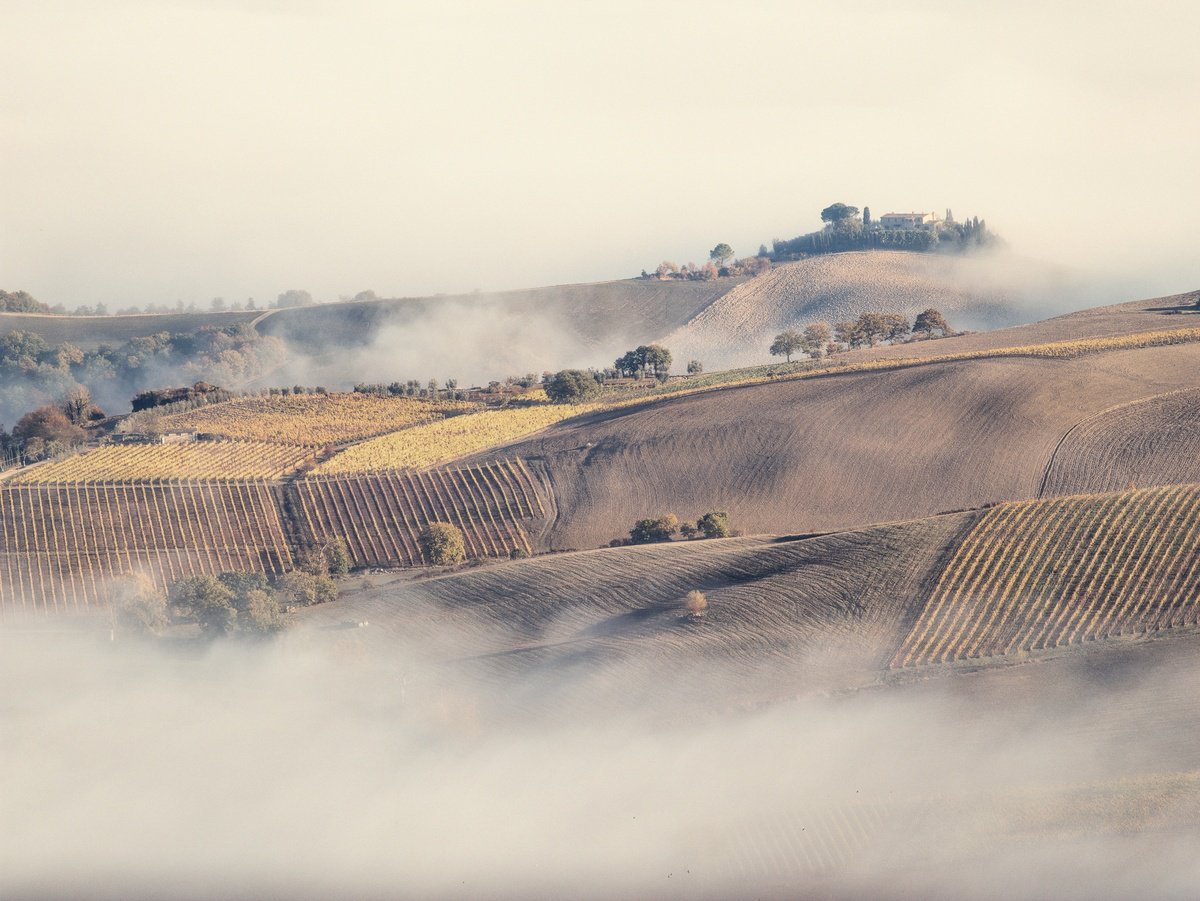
{"type": "Point", "coordinates": [442, 544]}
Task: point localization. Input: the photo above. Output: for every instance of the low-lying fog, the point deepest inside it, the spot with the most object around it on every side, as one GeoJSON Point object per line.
{"type": "Point", "coordinates": [307, 768]}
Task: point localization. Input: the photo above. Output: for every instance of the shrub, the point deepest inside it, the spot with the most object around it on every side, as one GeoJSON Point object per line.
{"type": "Point", "coordinates": [648, 531]}
{"type": "Point", "coordinates": [337, 557]}
{"type": "Point", "coordinates": [695, 603]}
{"type": "Point", "coordinates": [714, 524]}
{"type": "Point", "coordinates": [442, 544]}
{"type": "Point", "coordinates": [569, 386]}
{"type": "Point", "coordinates": [262, 614]}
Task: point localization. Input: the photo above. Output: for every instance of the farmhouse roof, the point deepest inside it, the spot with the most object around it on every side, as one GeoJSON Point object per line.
{"type": "Point", "coordinates": [908, 214]}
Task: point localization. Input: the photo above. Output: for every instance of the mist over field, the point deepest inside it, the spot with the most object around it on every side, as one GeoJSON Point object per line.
{"type": "Point", "coordinates": [309, 768]}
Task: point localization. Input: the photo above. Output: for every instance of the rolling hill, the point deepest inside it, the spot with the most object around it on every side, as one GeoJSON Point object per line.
{"type": "Point", "coordinates": [842, 450]}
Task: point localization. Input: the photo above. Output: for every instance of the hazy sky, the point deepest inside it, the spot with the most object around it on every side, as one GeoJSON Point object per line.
{"type": "Point", "coordinates": [156, 151]}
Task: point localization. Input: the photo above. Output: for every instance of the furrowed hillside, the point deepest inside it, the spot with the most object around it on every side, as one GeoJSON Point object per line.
{"type": "Point", "coordinates": [787, 615]}
{"type": "Point", "coordinates": [736, 329]}
{"type": "Point", "coordinates": [841, 450]}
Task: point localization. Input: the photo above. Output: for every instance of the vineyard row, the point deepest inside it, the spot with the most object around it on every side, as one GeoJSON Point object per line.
{"type": "Point", "coordinates": [1042, 574]}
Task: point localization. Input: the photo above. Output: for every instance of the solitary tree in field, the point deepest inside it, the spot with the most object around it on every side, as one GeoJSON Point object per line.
{"type": "Point", "coordinates": [442, 544]}
{"type": "Point", "coordinates": [787, 343]}
{"type": "Point", "coordinates": [695, 367]}
{"type": "Point", "coordinates": [930, 321]}
{"type": "Point", "coordinates": [721, 254]}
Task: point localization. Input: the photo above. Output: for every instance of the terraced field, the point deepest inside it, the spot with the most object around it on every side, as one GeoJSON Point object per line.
{"type": "Point", "coordinates": [194, 461]}
{"type": "Point", "coordinates": [59, 544]}
{"type": "Point", "coordinates": [380, 515]}
{"type": "Point", "coordinates": [1043, 574]}
{"type": "Point", "coordinates": [1149, 442]}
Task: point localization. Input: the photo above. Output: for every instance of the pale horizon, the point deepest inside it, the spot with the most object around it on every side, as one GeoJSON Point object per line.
{"type": "Point", "coordinates": [179, 152]}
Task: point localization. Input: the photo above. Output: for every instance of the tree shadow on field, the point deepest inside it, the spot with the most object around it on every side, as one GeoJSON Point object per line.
{"type": "Point", "coordinates": [651, 618]}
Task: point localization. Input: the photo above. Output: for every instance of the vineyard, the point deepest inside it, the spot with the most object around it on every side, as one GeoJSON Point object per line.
{"type": "Point", "coordinates": [306, 418]}
{"type": "Point", "coordinates": [1149, 442]}
{"type": "Point", "coordinates": [60, 544]}
{"type": "Point", "coordinates": [448, 439]}
{"type": "Point", "coordinates": [197, 460]}
{"type": "Point", "coordinates": [380, 515]}
{"type": "Point", "coordinates": [1043, 574]}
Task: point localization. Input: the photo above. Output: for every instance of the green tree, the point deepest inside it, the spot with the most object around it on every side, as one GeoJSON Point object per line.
{"type": "Point", "coordinates": [337, 556]}
{"type": "Point", "coordinates": [262, 613]}
{"type": "Point", "coordinates": [649, 531]}
{"type": "Point", "coordinates": [442, 544]}
{"type": "Point", "coordinates": [139, 607]}
{"type": "Point", "coordinates": [714, 524]}
{"type": "Point", "coordinates": [655, 358]}
{"type": "Point", "coordinates": [205, 601]}
{"type": "Point", "coordinates": [301, 589]}
{"type": "Point", "coordinates": [815, 339]}
{"type": "Point", "coordinates": [721, 254]}
{"type": "Point", "coordinates": [571, 386]}
{"type": "Point", "coordinates": [695, 367]}
{"type": "Point", "coordinates": [839, 215]}
{"type": "Point", "coordinates": [930, 321]}
{"type": "Point", "coordinates": [786, 343]}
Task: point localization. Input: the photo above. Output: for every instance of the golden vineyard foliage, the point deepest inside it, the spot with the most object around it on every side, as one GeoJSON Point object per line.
{"type": "Point", "coordinates": [194, 460]}
{"type": "Point", "coordinates": [1041, 574]}
{"type": "Point", "coordinates": [447, 439]}
{"type": "Point", "coordinates": [310, 418]}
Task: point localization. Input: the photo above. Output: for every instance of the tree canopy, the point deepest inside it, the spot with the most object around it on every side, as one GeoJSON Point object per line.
{"type": "Point", "coordinates": [930, 321]}
{"type": "Point", "coordinates": [786, 343]}
{"type": "Point", "coordinates": [837, 214]}
{"type": "Point", "coordinates": [721, 254]}
{"type": "Point", "coordinates": [570, 386]}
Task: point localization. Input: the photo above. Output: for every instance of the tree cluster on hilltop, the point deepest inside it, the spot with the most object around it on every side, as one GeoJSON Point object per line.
{"type": "Point", "coordinates": [869, 329]}
{"type": "Point", "coordinates": [847, 228]}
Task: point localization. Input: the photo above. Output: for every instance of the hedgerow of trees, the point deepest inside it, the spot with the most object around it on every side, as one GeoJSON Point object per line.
{"type": "Point", "coordinates": [572, 386]}
{"type": "Point", "coordinates": [868, 330]}
{"type": "Point", "coordinates": [653, 530]}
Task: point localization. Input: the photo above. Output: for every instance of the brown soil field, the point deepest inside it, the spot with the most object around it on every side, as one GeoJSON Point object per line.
{"type": "Point", "coordinates": [1149, 442]}
{"type": "Point", "coordinates": [786, 616]}
{"type": "Point", "coordinates": [972, 291]}
{"type": "Point", "coordinates": [840, 451]}
{"type": "Point", "coordinates": [89, 332]}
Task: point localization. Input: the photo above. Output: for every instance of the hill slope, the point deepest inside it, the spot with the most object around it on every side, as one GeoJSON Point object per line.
{"type": "Point", "coordinates": [838, 451]}
{"type": "Point", "coordinates": [737, 328]}
{"type": "Point", "coordinates": [89, 332]}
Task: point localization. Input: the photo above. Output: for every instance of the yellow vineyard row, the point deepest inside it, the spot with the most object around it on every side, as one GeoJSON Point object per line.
{"type": "Point", "coordinates": [151, 462]}
{"type": "Point", "coordinates": [310, 418]}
